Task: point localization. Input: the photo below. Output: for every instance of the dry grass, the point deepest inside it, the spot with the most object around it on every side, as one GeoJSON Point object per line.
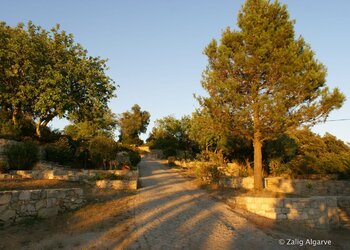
{"type": "Point", "coordinates": [28, 184]}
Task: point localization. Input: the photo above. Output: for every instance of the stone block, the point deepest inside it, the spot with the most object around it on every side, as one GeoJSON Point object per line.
{"type": "Point", "coordinates": [5, 198]}
{"type": "Point", "coordinates": [281, 216]}
{"type": "Point", "coordinates": [35, 195]}
{"type": "Point", "coordinates": [51, 202]}
{"type": "Point", "coordinates": [3, 208]}
{"type": "Point", "coordinates": [40, 204]}
{"type": "Point", "coordinates": [47, 212]}
{"type": "Point", "coordinates": [8, 215]}
{"type": "Point", "coordinates": [79, 191]}
{"type": "Point", "coordinates": [24, 195]}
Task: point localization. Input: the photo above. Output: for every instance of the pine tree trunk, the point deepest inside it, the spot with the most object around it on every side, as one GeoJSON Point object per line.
{"type": "Point", "coordinates": [38, 129]}
{"type": "Point", "coordinates": [258, 181]}
{"type": "Point", "coordinates": [14, 116]}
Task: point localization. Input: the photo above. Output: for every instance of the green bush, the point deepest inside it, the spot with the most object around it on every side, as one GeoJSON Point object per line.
{"type": "Point", "coordinates": [171, 161]}
{"type": "Point", "coordinates": [169, 152]}
{"type": "Point", "coordinates": [21, 155]}
{"type": "Point", "coordinates": [134, 158]}
{"type": "Point", "coordinates": [102, 150]}
{"type": "Point", "coordinates": [60, 151]}
{"type": "Point", "coordinates": [106, 176]}
{"type": "Point", "coordinates": [208, 172]}
{"type": "Point", "coordinates": [3, 166]}
{"type": "Point", "coordinates": [9, 131]}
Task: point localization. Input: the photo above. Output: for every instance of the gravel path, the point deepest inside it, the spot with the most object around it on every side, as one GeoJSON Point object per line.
{"type": "Point", "coordinates": [171, 213]}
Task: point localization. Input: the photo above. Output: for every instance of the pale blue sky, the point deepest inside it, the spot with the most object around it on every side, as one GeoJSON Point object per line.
{"type": "Point", "coordinates": [155, 46]}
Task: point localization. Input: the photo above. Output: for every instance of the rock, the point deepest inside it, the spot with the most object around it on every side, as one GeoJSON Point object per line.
{"type": "Point", "coordinates": [79, 191]}
{"type": "Point", "coordinates": [24, 195]}
{"type": "Point", "coordinates": [3, 208]}
{"type": "Point", "coordinates": [35, 195]}
{"type": "Point", "coordinates": [8, 215]}
{"type": "Point", "coordinates": [47, 212]}
{"type": "Point", "coordinates": [40, 204]}
{"type": "Point", "coordinates": [5, 198]}
{"type": "Point", "coordinates": [51, 202]}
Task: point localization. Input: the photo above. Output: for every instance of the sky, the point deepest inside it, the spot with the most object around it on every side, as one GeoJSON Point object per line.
{"type": "Point", "coordinates": [155, 47]}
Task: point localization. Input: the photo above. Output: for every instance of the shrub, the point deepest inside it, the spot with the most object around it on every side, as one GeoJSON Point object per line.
{"type": "Point", "coordinates": [21, 155]}
{"type": "Point", "coordinates": [3, 166]}
{"type": "Point", "coordinates": [169, 152]}
{"type": "Point", "coordinates": [134, 158]}
{"type": "Point", "coordinates": [106, 176]}
{"type": "Point", "coordinates": [9, 131]}
{"type": "Point", "coordinates": [60, 151]}
{"type": "Point", "coordinates": [208, 172]}
{"type": "Point", "coordinates": [102, 150]}
{"type": "Point", "coordinates": [171, 161]}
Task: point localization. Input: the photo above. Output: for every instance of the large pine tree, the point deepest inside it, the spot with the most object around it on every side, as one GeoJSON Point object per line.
{"type": "Point", "coordinates": [262, 80]}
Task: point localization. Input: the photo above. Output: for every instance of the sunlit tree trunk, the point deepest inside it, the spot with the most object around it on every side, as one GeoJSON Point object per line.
{"type": "Point", "coordinates": [257, 144]}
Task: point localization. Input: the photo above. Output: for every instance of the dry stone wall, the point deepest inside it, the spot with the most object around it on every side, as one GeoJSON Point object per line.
{"type": "Point", "coordinates": [314, 212]}
{"type": "Point", "coordinates": [44, 203]}
{"type": "Point", "coordinates": [64, 174]}
{"type": "Point", "coordinates": [308, 187]}
{"type": "Point", "coordinates": [117, 184]}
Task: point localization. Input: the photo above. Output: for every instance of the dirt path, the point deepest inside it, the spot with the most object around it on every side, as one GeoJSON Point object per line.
{"type": "Point", "coordinates": [172, 213]}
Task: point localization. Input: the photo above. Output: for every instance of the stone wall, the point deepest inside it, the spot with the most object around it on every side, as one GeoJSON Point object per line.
{"type": "Point", "coordinates": [117, 184]}
{"type": "Point", "coordinates": [44, 203]}
{"type": "Point", "coordinates": [314, 212]}
{"type": "Point", "coordinates": [237, 182]}
{"type": "Point", "coordinates": [65, 174]}
{"type": "Point", "coordinates": [308, 187]}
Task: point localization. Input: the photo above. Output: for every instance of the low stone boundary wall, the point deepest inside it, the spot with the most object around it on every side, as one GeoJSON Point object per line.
{"type": "Point", "coordinates": [42, 203]}
{"type": "Point", "coordinates": [314, 212]}
{"type": "Point", "coordinates": [63, 174]}
{"type": "Point", "coordinates": [292, 186]}
{"type": "Point", "coordinates": [117, 184]}
{"type": "Point", "coordinates": [237, 182]}
{"type": "Point", "coordinates": [308, 187]}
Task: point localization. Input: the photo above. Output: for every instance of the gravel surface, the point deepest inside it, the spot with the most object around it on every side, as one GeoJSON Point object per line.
{"type": "Point", "coordinates": [172, 213]}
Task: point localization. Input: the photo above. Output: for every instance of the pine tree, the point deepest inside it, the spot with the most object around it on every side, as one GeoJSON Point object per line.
{"type": "Point", "coordinates": [262, 80]}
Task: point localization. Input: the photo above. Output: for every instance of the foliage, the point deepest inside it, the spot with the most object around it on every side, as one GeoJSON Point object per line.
{"type": "Point", "coordinates": [171, 161]}
{"type": "Point", "coordinates": [60, 151]}
{"type": "Point", "coordinates": [85, 130]}
{"type": "Point", "coordinates": [132, 124]}
{"type": "Point", "coordinates": [134, 158]}
{"type": "Point", "coordinates": [303, 152]}
{"type": "Point", "coordinates": [208, 172]}
{"type": "Point", "coordinates": [261, 80]}
{"type": "Point", "coordinates": [102, 150]}
{"type": "Point", "coordinates": [107, 176]}
{"type": "Point", "coordinates": [45, 74]}
{"type": "Point", "coordinates": [21, 156]}
{"type": "Point", "coordinates": [3, 166]}
{"type": "Point", "coordinates": [171, 134]}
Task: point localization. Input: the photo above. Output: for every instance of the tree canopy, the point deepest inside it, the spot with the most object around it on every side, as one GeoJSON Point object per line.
{"type": "Point", "coordinates": [132, 124]}
{"type": "Point", "coordinates": [171, 134]}
{"type": "Point", "coordinates": [45, 74]}
{"type": "Point", "coordinates": [262, 80]}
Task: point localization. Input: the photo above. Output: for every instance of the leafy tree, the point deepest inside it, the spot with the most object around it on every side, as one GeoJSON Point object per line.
{"type": "Point", "coordinates": [84, 130]}
{"type": "Point", "coordinates": [261, 79]}
{"type": "Point", "coordinates": [46, 74]}
{"type": "Point", "coordinates": [203, 131]}
{"type": "Point", "coordinates": [171, 134]}
{"type": "Point", "coordinates": [132, 124]}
